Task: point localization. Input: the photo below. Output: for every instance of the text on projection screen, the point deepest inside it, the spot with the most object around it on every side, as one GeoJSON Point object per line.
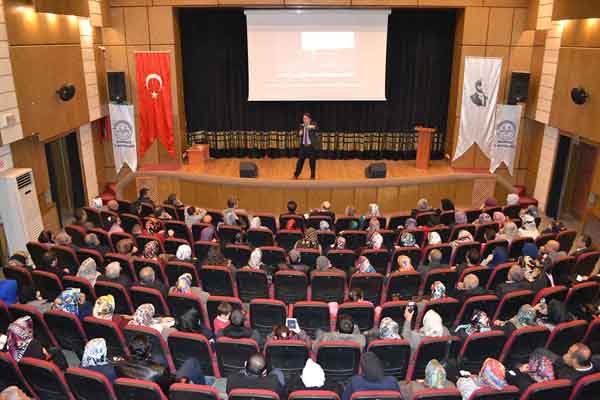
{"type": "Point", "coordinates": [299, 55]}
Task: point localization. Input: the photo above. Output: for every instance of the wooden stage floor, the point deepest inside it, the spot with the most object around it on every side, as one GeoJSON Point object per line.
{"type": "Point", "coordinates": [282, 169]}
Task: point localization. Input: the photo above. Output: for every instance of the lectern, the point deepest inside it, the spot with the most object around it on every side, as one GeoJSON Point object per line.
{"type": "Point", "coordinates": [424, 146]}
{"type": "Point", "coordinates": [197, 154]}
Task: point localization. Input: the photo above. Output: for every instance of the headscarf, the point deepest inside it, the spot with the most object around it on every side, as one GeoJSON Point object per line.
{"type": "Point", "coordinates": [184, 253]}
{"type": "Point", "coordinates": [311, 235]}
{"type": "Point", "coordinates": [153, 225]}
{"type": "Point", "coordinates": [510, 231]}
{"type": "Point", "coordinates": [374, 225]}
{"type": "Point", "coordinates": [490, 202]}
{"type": "Point", "coordinates": [144, 315]}
{"type": "Point", "coordinates": [19, 335]}
{"type": "Point", "coordinates": [460, 218]}
{"type": "Point", "coordinates": [528, 223]}
{"type": "Point", "coordinates": [62, 238]}
{"type": "Point", "coordinates": [533, 211]}
{"type": "Point", "coordinates": [422, 205]}
{"type": "Point", "coordinates": [493, 374]}
{"type": "Point", "coordinates": [500, 255]}
{"type": "Point", "coordinates": [525, 317]}
{"type": "Point", "coordinates": [438, 290]}
{"type": "Point", "coordinates": [87, 270]}
{"type": "Point", "coordinates": [313, 375]}
{"type": "Point", "coordinates": [184, 283]}
{"type": "Point", "coordinates": [404, 263]}
{"type": "Point", "coordinates": [255, 222]}
{"type": "Point", "coordinates": [323, 225]}
{"type": "Point", "coordinates": [104, 308]}
{"type": "Point", "coordinates": [432, 324]}
{"type": "Point", "coordinates": [255, 261]}
{"type": "Point", "coordinates": [388, 329]}
{"type": "Point", "coordinates": [434, 238]}
{"type": "Point", "coordinates": [113, 269]}
{"type": "Point", "coordinates": [499, 217]}
{"type": "Point", "coordinates": [364, 265]}
{"type": "Point", "coordinates": [207, 234]}
{"type": "Point", "coordinates": [540, 368]}
{"type": "Point", "coordinates": [410, 223]}
{"type": "Point", "coordinates": [151, 249]}
{"type": "Point", "coordinates": [407, 239]}
{"type": "Point", "coordinates": [435, 375]}
{"type": "Point", "coordinates": [372, 368]}
{"type": "Point", "coordinates": [480, 322]}
{"type": "Point", "coordinates": [67, 300]}
{"type": "Point", "coordinates": [94, 353]}
{"type": "Point", "coordinates": [484, 218]}
{"type": "Point", "coordinates": [374, 210]}
{"type": "Point", "coordinates": [512, 199]}
{"type": "Point", "coordinates": [376, 240]}
{"type": "Point", "coordinates": [530, 250]}
{"type": "Point", "coordinates": [340, 243]}
{"type": "Point", "coordinates": [464, 236]}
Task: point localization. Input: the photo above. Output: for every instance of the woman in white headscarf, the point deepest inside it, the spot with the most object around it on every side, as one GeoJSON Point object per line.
{"type": "Point", "coordinates": [512, 199]}
{"type": "Point", "coordinates": [255, 261]}
{"type": "Point", "coordinates": [509, 232]}
{"type": "Point", "coordinates": [376, 241]}
{"type": "Point", "coordinates": [434, 238]}
{"type": "Point", "coordinates": [87, 270]}
{"type": "Point", "coordinates": [184, 253]}
{"type": "Point", "coordinates": [255, 223]}
{"type": "Point", "coordinates": [528, 227]}
{"type": "Point", "coordinates": [95, 359]}
{"type": "Point", "coordinates": [312, 378]}
{"type": "Point", "coordinates": [432, 327]}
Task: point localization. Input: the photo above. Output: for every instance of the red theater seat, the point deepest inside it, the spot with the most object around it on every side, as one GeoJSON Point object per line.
{"type": "Point", "coordinates": [394, 354]}
{"type": "Point", "coordinates": [232, 354]}
{"type": "Point", "coordinates": [559, 389]}
{"type": "Point", "coordinates": [266, 313]}
{"type": "Point", "coordinates": [311, 315]}
{"type": "Point", "coordinates": [339, 360]}
{"type": "Point", "coordinates": [126, 389]}
{"type": "Point", "coordinates": [86, 384]}
{"type": "Point", "coordinates": [287, 355]}
{"type": "Point", "coordinates": [46, 380]}
{"type": "Point", "coordinates": [252, 394]}
{"type": "Point", "coordinates": [186, 391]}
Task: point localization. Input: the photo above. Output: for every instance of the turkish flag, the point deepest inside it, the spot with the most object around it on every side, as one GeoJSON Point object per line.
{"type": "Point", "coordinates": [153, 75]}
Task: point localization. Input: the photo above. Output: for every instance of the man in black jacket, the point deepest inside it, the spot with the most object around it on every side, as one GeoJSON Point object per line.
{"type": "Point", "coordinates": [309, 146]}
{"type": "Point", "coordinates": [237, 330]}
{"type": "Point", "coordinates": [516, 281]}
{"type": "Point", "coordinates": [254, 376]}
{"type": "Point", "coordinates": [469, 287]}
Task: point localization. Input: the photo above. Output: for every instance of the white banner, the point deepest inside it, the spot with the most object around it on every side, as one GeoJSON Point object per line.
{"type": "Point", "coordinates": [122, 124]}
{"type": "Point", "coordinates": [479, 96]}
{"type": "Point", "coordinates": [508, 119]}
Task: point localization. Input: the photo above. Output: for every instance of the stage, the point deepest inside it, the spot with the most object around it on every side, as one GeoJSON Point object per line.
{"type": "Point", "coordinates": [342, 182]}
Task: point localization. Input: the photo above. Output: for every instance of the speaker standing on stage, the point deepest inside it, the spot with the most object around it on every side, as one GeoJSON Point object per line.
{"type": "Point", "coordinates": [309, 146]}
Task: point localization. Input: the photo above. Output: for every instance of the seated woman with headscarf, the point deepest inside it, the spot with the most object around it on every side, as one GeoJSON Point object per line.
{"type": "Point", "coordinates": [508, 232]}
{"type": "Point", "coordinates": [432, 327]}
{"type": "Point", "coordinates": [372, 213]}
{"type": "Point", "coordinates": [312, 378]}
{"type": "Point", "coordinates": [499, 218]}
{"type": "Point", "coordinates": [191, 322]}
{"type": "Point", "coordinates": [492, 376]}
{"type": "Point", "coordinates": [363, 264]}
{"type": "Point", "coordinates": [480, 322]}
{"type": "Point", "coordinates": [310, 240]}
{"type": "Point", "coordinates": [404, 264]}
{"type": "Point", "coordinates": [372, 377]}
{"type": "Point", "coordinates": [538, 369]}
{"type": "Point", "coordinates": [151, 250]}
{"type": "Point", "coordinates": [435, 379]}
{"type": "Point", "coordinates": [422, 206]}
{"type": "Point", "coordinates": [154, 228]}
{"type": "Point", "coordinates": [87, 270]}
{"type": "Point", "coordinates": [553, 313]}
{"type": "Point", "coordinates": [376, 241]}
{"type": "Point", "coordinates": [526, 316]}
{"type": "Point", "coordinates": [528, 227]}
{"type": "Point", "coordinates": [464, 236]}
{"type": "Point", "coordinates": [407, 239]}
{"type": "Point", "coordinates": [512, 199]}
{"type": "Point", "coordinates": [126, 247]}
{"type": "Point", "coordinates": [144, 316]}
{"type": "Point", "coordinates": [282, 332]}
{"type": "Point", "coordinates": [484, 218]}
{"type": "Point", "coordinates": [498, 256]}
{"type": "Point", "coordinates": [324, 226]}
{"type": "Point", "coordinates": [388, 329]}
{"type": "Point", "coordinates": [104, 308]}
{"type": "Point", "coordinates": [73, 301]}
{"type": "Point", "coordinates": [95, 359]}
{"type": "Point", "coordinates": [433, 238]}
{"type": "Point", "coordinates": [184, 286]}
{"type": "Point", "coordinates": [339, 243]}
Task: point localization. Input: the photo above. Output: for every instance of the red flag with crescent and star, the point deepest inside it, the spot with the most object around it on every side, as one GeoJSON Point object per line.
{"type": "Point", "coordinates": [153, 73]}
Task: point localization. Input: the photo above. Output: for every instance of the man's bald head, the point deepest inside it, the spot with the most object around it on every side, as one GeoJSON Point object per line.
{"type": "Point", "coordinates": [13, 393]}
{"type": "Point", "coordinates": [256, 364]}
{"type": "Point", "coordinates": [515, 273]}
{"type": "Point", "coordinates": [147, 275]}
{"type": "Point", "coordinates": [552, 246]}
{"type": "Point", "coordinates": [435, 256]}
{"type": "Point", "coordinates": [471, 281]}
{"type": "Point", "coordinates": [578, 356]}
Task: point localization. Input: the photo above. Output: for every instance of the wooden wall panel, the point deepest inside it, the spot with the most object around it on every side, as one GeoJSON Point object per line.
{"type": "Point", "coordinates": [41, 110]}
{"type": "Point", "coordinates": [67, 7]}
{"type": "Point", "coordinates": [581, 33]}
{"type": "Point", "coordinates": [26, 27]}
{"type": "Point", "coordinates": [365, 196]}
{"type": "Point", "coordinates": [575, 9]}
{"type": "Point", "coordinates": [500, 27]}
{"type": "Point", "coordinates": [162, 25]}
{"type": "Point", "coordinates": [341, 198]}
{"type": "Point", "coordinates": [136, 25]}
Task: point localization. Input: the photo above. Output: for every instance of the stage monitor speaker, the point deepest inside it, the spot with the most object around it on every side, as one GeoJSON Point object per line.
{"type": "Point", "coordinates": [248, 170]}
{"type": "Point", "coordinates": [376, 170]}
{"type": "Point", "coordinates": [117, 90]}
{"type": "Point", "coordinates": [519, 87]}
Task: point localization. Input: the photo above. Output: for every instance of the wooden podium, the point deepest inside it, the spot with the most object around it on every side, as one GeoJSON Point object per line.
{"type": "Point", "coordinates": [424, 146]}
{"type": "Point", "coordinates": [198, 154]}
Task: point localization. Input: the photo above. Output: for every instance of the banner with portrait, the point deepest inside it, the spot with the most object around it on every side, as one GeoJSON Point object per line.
{"type": "Point", "coordinates": [122, 124]}
{"type": "Point", "coordinates": [481, 82]}
{"type": "Point", "coordinates": [506, 134]}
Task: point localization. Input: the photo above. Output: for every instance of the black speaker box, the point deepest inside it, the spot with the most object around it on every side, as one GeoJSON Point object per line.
{"type": "Point", "coordinates": [248, 170]}
{"type": "Point", "coordinates": [519, 87]}
{"type": "Point", "coordinates": [376, 170]}
{"type": "Point", "coordinates": [117, 90]}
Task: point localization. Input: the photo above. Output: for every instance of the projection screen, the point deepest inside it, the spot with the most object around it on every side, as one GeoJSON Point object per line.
{"type": "Point", "coordinates": [302, 55]}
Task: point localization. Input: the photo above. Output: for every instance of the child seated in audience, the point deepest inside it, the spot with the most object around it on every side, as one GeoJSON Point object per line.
{"type": "Point", "coordinates": [221, 321]}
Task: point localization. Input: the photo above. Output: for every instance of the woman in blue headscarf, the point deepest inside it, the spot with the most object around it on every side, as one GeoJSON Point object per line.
{"type": "Point", "coordinates": [498, 256]}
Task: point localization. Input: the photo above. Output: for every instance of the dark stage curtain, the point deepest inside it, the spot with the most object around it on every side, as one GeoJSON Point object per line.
{"type": "Point", "coordinates": [215, 76]}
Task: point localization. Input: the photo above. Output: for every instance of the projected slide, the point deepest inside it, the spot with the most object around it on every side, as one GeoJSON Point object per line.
{"type": "Point", "coordinates": [316, 54]}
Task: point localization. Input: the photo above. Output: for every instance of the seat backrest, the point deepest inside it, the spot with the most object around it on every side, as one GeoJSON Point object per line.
{"type": "Point", "coordinates": [142, 295]}
{"type": "Point", "coordinates": [566, 238]}
{"type": "Point", "coordinates": [289, 356]}
{"type": "Point", "coordinates": [273, 255]}
{"type": "Point", "coordinates": [414, 253]}
{"type": "Point", "coordinates": [179, 303]}
{"type": "Point", "coordinates": [510, 304]}
{"type": "Point", "coordinates": [312, 315]}
{"type": "Point", "coordinates": [550, 293]}
{"type": "Point", "coordinates": [130, 389]}
{"type": "Point", "coordinates": [180, 229]}
{"type": "Point", "coordinates": [309, 257]}
{"type": "Point", "coordinates": [482, 273]}
{"type": "Point", "coordinates": [160, 350]}
{"type": "Point", "coordinates": [124, 262]}
{"type": "Point", "coordinates": [394, 310]}
{"type": "Point", "coordinates": [379, 259]}
{"type": "Point", "coordinates": [313, 395]}
{"type": "Point", "coordinates": [66, 258]}
{"type": "Point", "coordinates": [586, 263]}
{"type": "Point", "coordinates": [446, 307]}
{"type": "Point", "coordinates": [290, 286]}
{"type": "Point", "coordinates": [437, 394]}
{"type": "Point", "coordinates": [172, 244]}
{"type": "Point", "coordinates": [592, 336]}
{"type": "Point", "coordinates": [447, 276]}
{"type": "Point", "coordinates": [429, 348]}
{"type": "Point", "coordinates": [40, 328]}
{"type": "Point", "coordinates": [67, 330]}
{"type": "Point", "coordinates": [233, 353]}
{"type": "Point", "coordinates": [487, 303]}
{"type": "Point", "coordinates": [89, 385]}
{"type": "Point", "coordinates": [48, 284]}
{"type": "Point", "coordinates": [123, 303]}
{"type": "Point", "coordinates": [403, 285]}
{"type": "Point", "coordinates": [394, 355]}
{"type": "Point", "coordinates": [265, 313]}
{"type": "Point", "coordinates": [213, 302]}
{"type": "Point", "coordinates": [486, 393]}
{"type": "Point", "coordinates": [518, 346]}
{"type": "Point", "coordinates": [183, 346]}
{"type": "Point", "coordinates": [287, 238]}
{"type": "Point", "coordinates": [515, 249]}
{"type": "Point", "coordinates": [499, 275]}
{"type": "Point", "coordinates": [252, 394]}
{"type": "Point", "coordinates": [95, 255]}
{"type": "Point", "coordinates": [582, 293]}
{"type": "Point", "coordinates": [115, 341]}
{"type": "Point", "coordinates": [376, 394]}
{"type": "Point", "coordinates": [460, 252]}
{"type": "Point", "coordinates": [566, 334]}
{"type": "Point", "coordinates": [11, 374]}
{"type": "Point", "coordinates": [339, 360]}
{"type": "Point", "coordinates": [370, 283]}
{"type": "Point", "coordinates": [258, 237]}
{"type": "Point", "coordinates": [362, 313]}
{"type": "Point", "coordinates": [478, 347]}
{"type": "Point", "coordinates": [396, 220]}
{"type": "Point", "coordinates": [587, 388]}
{"type": "Point", "coordinates": [37, 250]}
{"type": "Point", "coordinates": [82, 284]}
{"type": "Point", "coordinates": [19, 274]}
{"type": "Point", "coordinates": [45, 379]}
{"type": "Point", "coordinates": [217, 281]}
{"type": "Point", "coordinates": [187, 391]}
{"type": "Point", "coordinates": [174, 269]}
{"type": "Point", "coordinates": [558, 389]}
{"type": "Point", "coordinates": [488, 247]}
{"type": "Point", "coordinates": [239, 254]}
{"type": "Point", "coordinates": [355, 239]}
{"type": "Point", "coordinates": [444, 248]}
{"type": "Point", "coordinates": [252, 284]}
{"type": "Point", "coordinates": [140, 262]}
{"type": "Point", "coordinates": [328, 286]}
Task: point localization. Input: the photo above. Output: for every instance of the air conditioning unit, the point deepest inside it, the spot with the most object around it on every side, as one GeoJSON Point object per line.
{"type": "Point", "coordinates": [20, 210]}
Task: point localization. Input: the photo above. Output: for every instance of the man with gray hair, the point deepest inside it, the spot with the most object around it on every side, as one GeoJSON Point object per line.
{"type": "Point", "coordinates": [13, 393]}
{"type": "Point", "coordinates": [112, 273]}
{"type": "Point", "coordinates": [469, 287]}
{"type": "Point", "coordinates": [148, 279]}
{"type": "Point", "coordinates": [296, 262]}
{"type": "Point", "coordinates": [93, 243]}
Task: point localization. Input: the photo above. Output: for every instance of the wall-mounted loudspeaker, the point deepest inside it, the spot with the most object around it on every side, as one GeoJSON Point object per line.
{"type": "Point", "coordinates": [66, 92]}
{"type": "Point", "coordinates": [117, 90]}
{"type": "Point", "coordinates": [519, 87]}
{"type": "Point", "coordinates": [248, 170]}
{"type": "Point", "coordinates": [579, 96]}
{"type": "Point", "coordinates": [376, 170]}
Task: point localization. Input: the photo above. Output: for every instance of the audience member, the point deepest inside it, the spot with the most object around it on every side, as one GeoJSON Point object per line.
{"type": "Point", "coordinates": [237, 329]}
{"type": "Point", "coordinates": [312, 378]}
{"type": "Point", "coordinates": [221, 321]}
{"type": "Point", "coordinates": [104, 308]}
{"type": "Point", "coordinates": [492, 376]}
{"type": "Point", "coordinates": [434, 261]}
{"type": "Point", "coordinates": [112, 273]}
{"type": "Point", "coordinates": [87, 270]}
{"type": "Point", "coordinates": [346, 332]}
{"type": "Point", "coordinates": [295, 262]}
{"type": "Point", "coordinates": [126, 247]}
{"type": "Point", "coordinates": [404, 264]}
{"type": "Point", "coordinates": [310, 240]}
{"type": "Point", "coordinates": [372, 377]}
{"type": "Point", "coordinates": [480, 322]}
{"type": "Point", "coordinates": [256, 376]}
{"type": "Point", "coordinates": [191, 322]}
{"type": "Point", "coordinates": [49, 263]}
{"type": "Point", "coordinates": [498, 256]}
{"type": "Point", "coordinates": [363, 265]}
{"type": "Point", "coordinates": [388, 329]}
{"type": "Point", "coordinates": [538, 369]}
{"type": "Point", "coordinates": [13, 393]}
{"type": "Point", "coordinates": [575, 363]}
{"type": "Point", "coordinates": [407, 239]}
{"type": "Point", "coordinates": [73, 301]}
{"type": "Point", "coordinates": [582, 245]}
{"type": "Point", "coordinates": [435, 379]}
{"type": "Point", "coordinates": [468, 288]}
{"type": "Point", "coordinates": [512, 199]}
{"type": "Point", "coordinates": [183, 285]}
{"type": "Point", "coordinates": [92, 242]}
{"type": "Point", "coordinates": [148, 279]}
{"type": "Point", "coordinates": [95, 359]}
{"type": "Point", "coordinates": [432, 327]}
{"type": "Point", "coordinates": [552, 251]}
{"type": "Point", "coordinates": [528, 227]}
{"type": "Point", "coordinates": [515, 281]}
{"type": "Point", "coordinates": [46, 237]}
{"type": "Point", "coordinates": [508, 232]}
{"type": "Point", "coordinates": [526, 316]}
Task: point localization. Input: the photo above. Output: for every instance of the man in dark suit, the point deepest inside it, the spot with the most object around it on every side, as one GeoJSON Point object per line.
{"type": "Point", "coordinates": [310, 143]}
{"type": "Point", "coordinates": [583, 245]}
